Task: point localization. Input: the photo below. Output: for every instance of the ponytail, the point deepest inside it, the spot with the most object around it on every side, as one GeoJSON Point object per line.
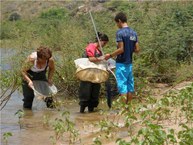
{"type": "Point", "coordinates": [102, 37]}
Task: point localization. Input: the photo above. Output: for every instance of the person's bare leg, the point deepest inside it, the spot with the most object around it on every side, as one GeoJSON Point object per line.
{"type": "Point", "coordinates": [129, 97]}
{"type": "Point", "coordinates": [124, 98]}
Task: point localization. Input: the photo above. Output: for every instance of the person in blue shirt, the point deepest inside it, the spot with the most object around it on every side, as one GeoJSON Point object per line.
{"type": "Point", "coordinates": [127, 43]}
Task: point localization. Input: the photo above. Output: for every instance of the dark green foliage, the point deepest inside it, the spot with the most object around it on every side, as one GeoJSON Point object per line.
{"type": "Point", "coordinates": [165, 32]}
{"type": "Point", "coordinates": [164, 40]}
{"type": "Point", "coordinates": [14, 17]}
{"type": "Point", "coordinates": [56, 13]}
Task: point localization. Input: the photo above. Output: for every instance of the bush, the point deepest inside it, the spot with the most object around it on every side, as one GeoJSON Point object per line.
{"type": "Point", "coordinates": [14, 17]}
{"type": "Point", "coordinates": [56, 13]}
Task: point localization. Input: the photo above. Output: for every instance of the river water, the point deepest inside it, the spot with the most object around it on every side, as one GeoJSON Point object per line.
{"type": "Point", "coordinates": [35, 127]}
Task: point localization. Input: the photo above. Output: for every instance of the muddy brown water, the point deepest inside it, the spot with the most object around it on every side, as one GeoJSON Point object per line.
{"type": "Point", "coordinates": [33, 130]}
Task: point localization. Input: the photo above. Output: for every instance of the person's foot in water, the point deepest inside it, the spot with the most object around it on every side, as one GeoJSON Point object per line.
{"type": "Point", "coordinates": [49, 102]}
{"type": "Point", "coordinates": [90, 109]}
{"type": "Point", "coordinates": [82, 108]}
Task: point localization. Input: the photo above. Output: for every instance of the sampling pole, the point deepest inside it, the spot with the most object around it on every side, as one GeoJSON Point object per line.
{"type": "Point", "coordinates": [96, 32]}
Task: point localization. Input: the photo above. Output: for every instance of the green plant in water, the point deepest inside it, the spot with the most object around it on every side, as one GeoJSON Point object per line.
{"type": "Point", "coordinates": [20, 114]}
{"type": "Point", "coordinates": [107, 126]}
{"type": "Point", "coordinates": [46, 119]}
{"type": "Point", "coordinates": [97, 141]}
{"type": "Point", "coordinates": [6, 136]}
{"type": "Point", "coordinates": [61, 126]}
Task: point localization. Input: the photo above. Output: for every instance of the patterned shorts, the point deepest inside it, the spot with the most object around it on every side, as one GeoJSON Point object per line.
{"type": "Point", "coordinates": [125, 78]}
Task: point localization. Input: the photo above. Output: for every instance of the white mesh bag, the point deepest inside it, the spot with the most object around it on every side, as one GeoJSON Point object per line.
{"type": "Point", "coordinates": [42, 89]}
{"type": "Point", "coordinates": [91, 72]}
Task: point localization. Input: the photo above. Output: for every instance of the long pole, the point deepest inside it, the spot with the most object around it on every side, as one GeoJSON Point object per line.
{"type": "Point", "coordinates": [100, 43]}
{"type": "Point", "coordinates": [96, 32]}
{"type": "Point", "coordinates": [109, 99]}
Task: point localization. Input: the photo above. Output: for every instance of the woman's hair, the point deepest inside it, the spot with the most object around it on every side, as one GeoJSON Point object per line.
{"type": "Point", "coordinates": [44, 52]}
{"type": "Point", "coordinates": [102, 37]}
{"type": "Point", "coordinates": [121, 16]}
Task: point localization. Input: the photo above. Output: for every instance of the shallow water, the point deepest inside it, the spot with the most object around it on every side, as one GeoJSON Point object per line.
{"type": "Point", "coordinates": [33, 130]}
{"type": "Point", "coordinates": [36, 126]}
{"type": "Point", "coordinates": [5, 55]}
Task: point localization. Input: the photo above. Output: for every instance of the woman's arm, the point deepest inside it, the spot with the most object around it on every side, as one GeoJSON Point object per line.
{"type": "Point", "coordinates": [95, 59]}
{"type": "Point", "coordinates": [25, 67]}
{"type": "Point", "coordinates": [51, 70]}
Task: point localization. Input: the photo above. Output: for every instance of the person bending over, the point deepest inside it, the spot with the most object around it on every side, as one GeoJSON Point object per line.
{"type": "Point", "coordinates": [35, 68]}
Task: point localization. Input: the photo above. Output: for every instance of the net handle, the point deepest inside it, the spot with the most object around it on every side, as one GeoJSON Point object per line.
{"type": "Point", "coordinates": [96, 32]}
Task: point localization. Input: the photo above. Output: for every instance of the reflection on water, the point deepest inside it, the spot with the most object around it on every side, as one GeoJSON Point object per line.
{"type": "Point", "coordinates": [5, 54]}
{"type": "Point", "coordinates": [33, 130]}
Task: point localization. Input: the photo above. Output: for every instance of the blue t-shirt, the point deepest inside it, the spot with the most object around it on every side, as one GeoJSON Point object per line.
{"type": "Point", "coordinates": [129, 39]}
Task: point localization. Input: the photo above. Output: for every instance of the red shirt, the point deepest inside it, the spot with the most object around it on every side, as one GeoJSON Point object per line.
{"type": "Point", "coordinates": [92, 50]}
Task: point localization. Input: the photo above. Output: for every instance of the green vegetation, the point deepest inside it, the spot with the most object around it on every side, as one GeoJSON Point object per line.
{"type": "Point", "coordinates": [157, 121]}
{"type": "Point", "coordinates": [164, 29]}
{"type": "Point", "coordinates": [168, 120]}
{"type": "Point", "coordinates": [165, 33]}
{"type": "Point", "coordinates": [61, 126]}
{"type": "Point", "coordinates": [20, 114]}
{"type": "Point", "coordinates": [6, 136]}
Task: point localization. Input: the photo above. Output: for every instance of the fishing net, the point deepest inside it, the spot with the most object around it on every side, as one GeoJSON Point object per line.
{"type": "Point", "coordinates": [93, 72]}
{"type": "Point", "coordinates": [42, 89]}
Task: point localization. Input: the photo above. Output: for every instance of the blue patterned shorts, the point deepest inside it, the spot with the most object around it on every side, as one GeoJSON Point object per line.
{"type": "Point", "coordinates": [125, 80]}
